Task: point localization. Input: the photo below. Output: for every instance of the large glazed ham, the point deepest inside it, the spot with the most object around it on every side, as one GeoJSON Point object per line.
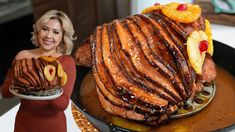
{"type": "Point", "coordinates": [141, 67]}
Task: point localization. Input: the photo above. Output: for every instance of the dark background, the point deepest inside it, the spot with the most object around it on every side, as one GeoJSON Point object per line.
{"type": "Point", "coordinates": [14, 36]}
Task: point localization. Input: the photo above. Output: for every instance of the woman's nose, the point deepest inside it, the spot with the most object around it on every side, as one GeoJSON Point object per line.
{"type": "Point", "coordinates": [49, 34]}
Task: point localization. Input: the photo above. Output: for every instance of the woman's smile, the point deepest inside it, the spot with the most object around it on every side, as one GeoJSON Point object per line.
{"type": "Point", "coordinates": [48, 41]}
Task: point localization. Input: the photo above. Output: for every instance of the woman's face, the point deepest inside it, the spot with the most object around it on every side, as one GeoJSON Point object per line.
{"type": "Point", "coordinates": [50, 35]}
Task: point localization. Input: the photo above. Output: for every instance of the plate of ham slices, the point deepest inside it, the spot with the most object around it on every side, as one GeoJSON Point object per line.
{"type": "Point", "coordinates": [40, 95]}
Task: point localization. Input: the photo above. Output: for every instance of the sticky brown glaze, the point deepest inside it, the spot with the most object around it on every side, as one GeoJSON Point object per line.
{"type": "Point", "coordinates": [101, 77]}
{"type": "Point", "coordinates": [32, 71]}
{"type": "Point", "coordinates": [139, 61]}
{"type": "Point", "coordinates": [83, 54]}
{"type": "Point", "coordinates": [121, 80]}
{"type": "Point", "coordinates": [180, 60]}
{"type": "Point", "coordinates": [141, 106]}
{"type": "Point", "coordinates": [18, 77]}
{"type": "Point", "coordinates": [155, 59]}
{"type": "Point", "coordinates": [39, 72]}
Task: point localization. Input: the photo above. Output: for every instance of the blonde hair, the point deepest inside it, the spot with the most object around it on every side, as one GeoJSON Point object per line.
{"type": "Point", "coordinates": [66, 44]}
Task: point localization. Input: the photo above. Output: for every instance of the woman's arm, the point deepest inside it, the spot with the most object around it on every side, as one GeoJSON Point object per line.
{"type": "Point", "coordinates": [6, 84]}
{"type": "Point", "coordinates": [62, 102]}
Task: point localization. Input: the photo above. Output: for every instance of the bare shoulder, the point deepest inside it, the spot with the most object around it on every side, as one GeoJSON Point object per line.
{"type": "Point", "coordinates": [24, 54]}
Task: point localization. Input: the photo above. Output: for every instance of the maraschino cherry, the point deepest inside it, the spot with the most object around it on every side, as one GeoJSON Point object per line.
{"type": "Point", "coordinates": [203, 46]}
{"type": "Point", "coordinates": [51, 70]}
{"type": "Point", "coordinates": [182, 7]}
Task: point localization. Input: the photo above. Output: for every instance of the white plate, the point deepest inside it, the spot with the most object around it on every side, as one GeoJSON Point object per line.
{"type": "Point", "coordinates": [56, 94]}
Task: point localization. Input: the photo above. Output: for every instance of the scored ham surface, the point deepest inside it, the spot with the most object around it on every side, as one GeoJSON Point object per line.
{"type": "Point", "coordinates": [29, 75]}
{"type": "Point", "coordinates": [141, 67]}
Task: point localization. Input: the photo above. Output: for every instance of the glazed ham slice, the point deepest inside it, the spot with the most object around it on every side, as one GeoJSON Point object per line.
{"type": "Point", "coordinates": [29, 75]}
{"type": "Point", "coordinates": [141, 67]}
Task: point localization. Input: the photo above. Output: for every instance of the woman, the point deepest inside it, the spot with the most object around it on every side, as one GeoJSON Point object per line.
{"type": "Point", "coordinates": [53, 35]}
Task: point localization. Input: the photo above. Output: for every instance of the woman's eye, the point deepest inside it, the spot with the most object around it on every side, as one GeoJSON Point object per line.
{"type": "Point", "coordinates": [56, 32]}
{"type": "Point", "coordinates": [44, 29]}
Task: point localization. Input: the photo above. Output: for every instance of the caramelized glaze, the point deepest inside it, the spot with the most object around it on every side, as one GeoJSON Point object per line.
{"type": "Point", "coordinates": [218, 114]}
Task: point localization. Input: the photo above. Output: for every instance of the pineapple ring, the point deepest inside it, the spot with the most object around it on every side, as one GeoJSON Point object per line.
{"type": "Point", "coordinates": [151, 8]}
{"type": "Point", "coordinates": [60, 69]}
{"type": "Point", "coordinates": [210, 49]}
{"type": "Point", "coordinates": [63, 79]}
{"type": "Point", "coordinates": [49, 72]}
{"type": "Point", "coordinates": [196, 57]}
{"type": "Point", "coordinates": [191, 14]}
